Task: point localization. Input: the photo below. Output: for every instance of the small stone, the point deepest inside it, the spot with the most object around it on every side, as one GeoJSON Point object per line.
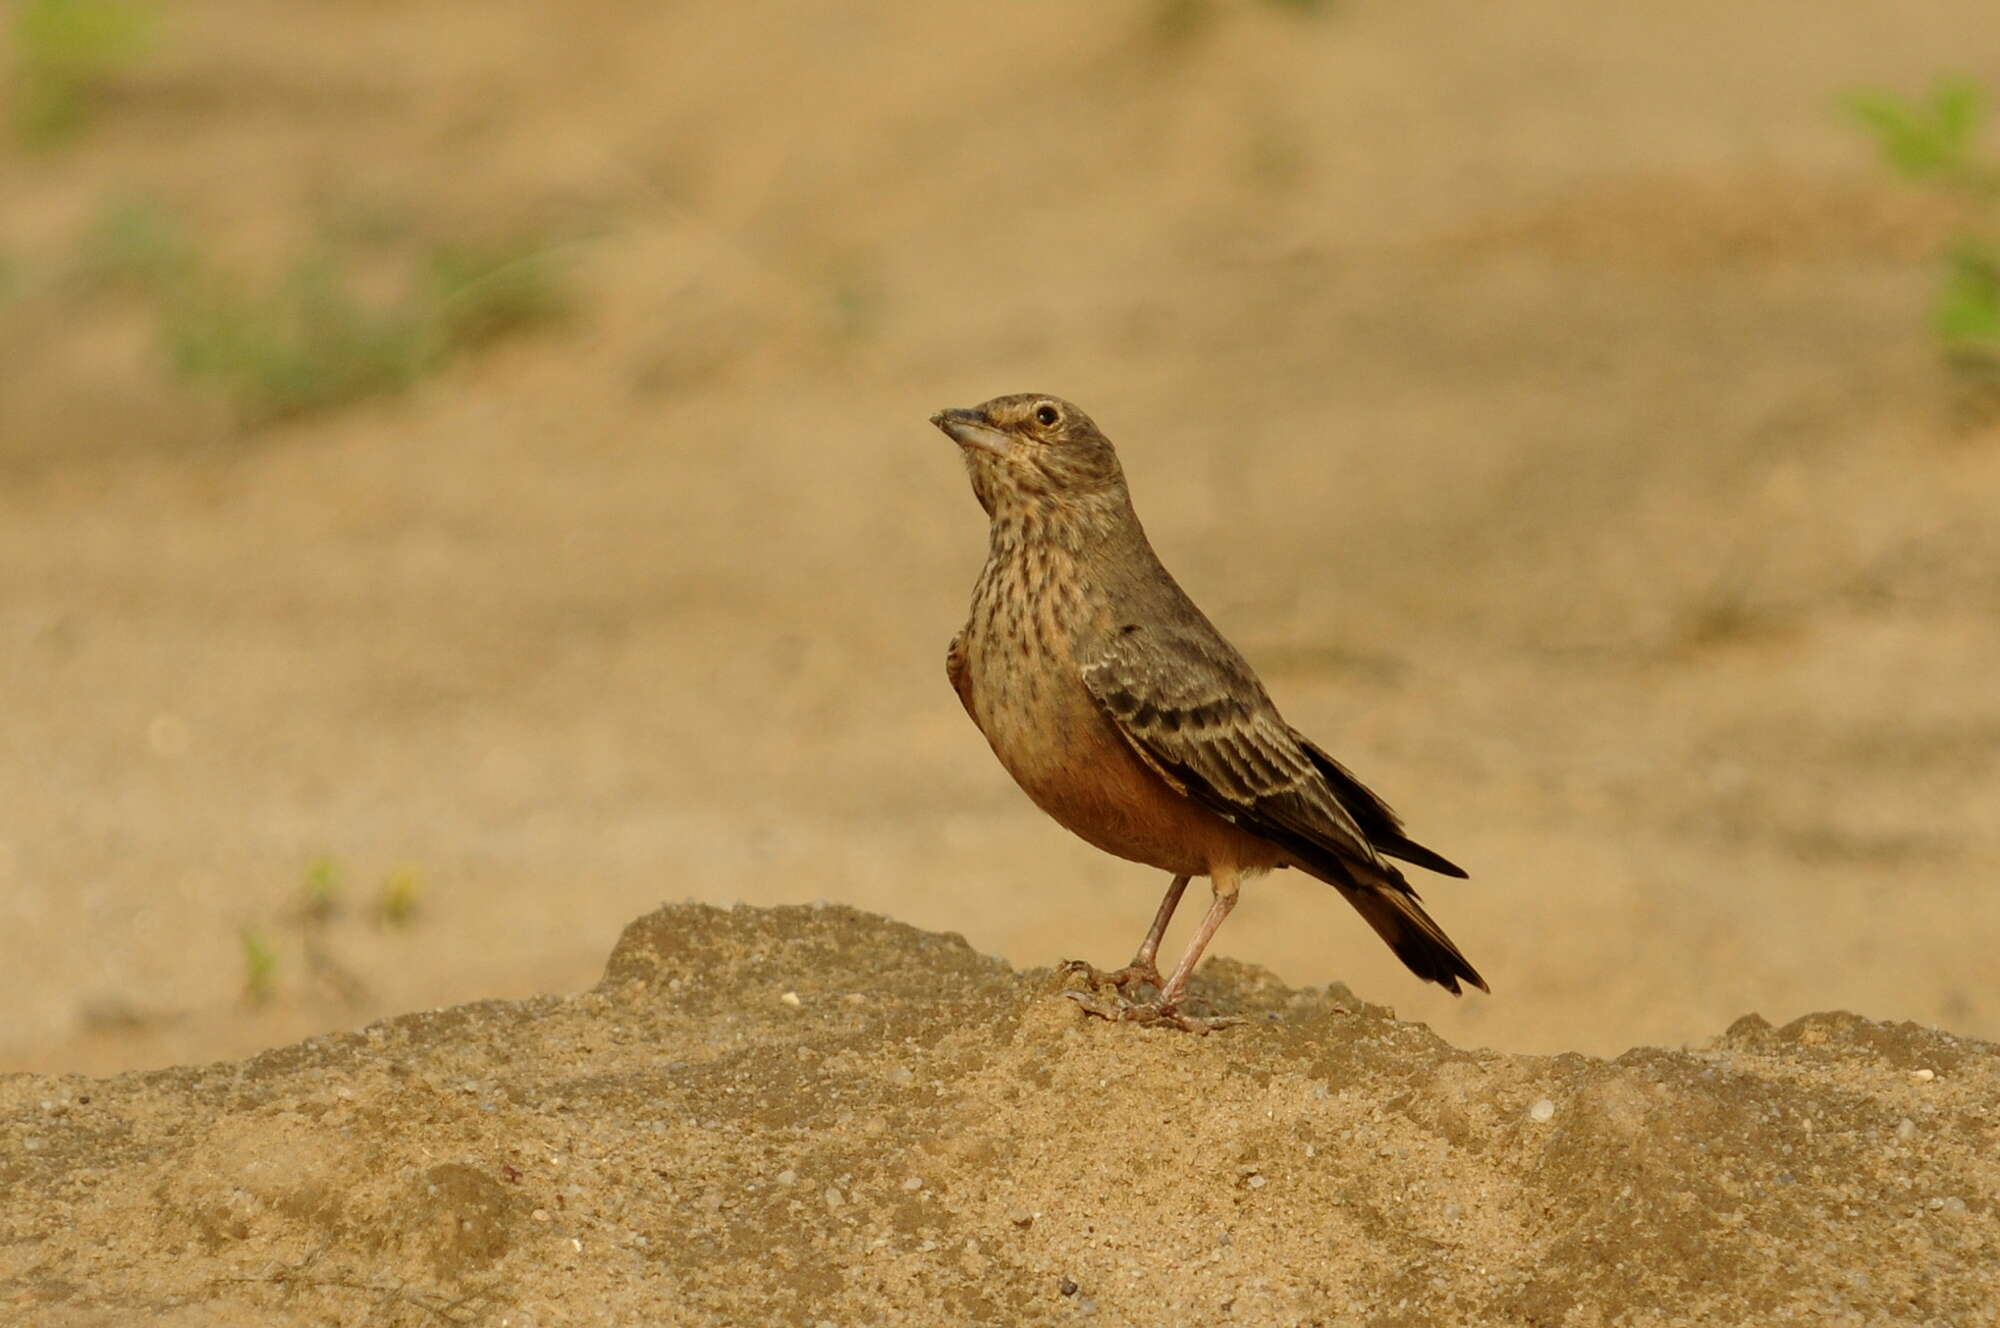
{"type": "Point", "coordinates": [1255, 1182]}
{"type": "Point", "coordinates": [1067, 1287]}
{"type": "Point", "coordinates": [914, 1183]}
{"type": "Point", "coordinates": [791, 998]}
{"type": "Point", "coordinates": [540, 1214]}
{"type": "Point", "coordinates": [788, 1177]}
{"type": "Point", "coordinates": [1906, 1129]}
{"type": "Point", "coordinates": [1542, 1110]}
{"type": "Point", "coordinates": [1952, 1206]}
{"type": "Point", "coordinates": [1922, 1076]}
{"type": "Point", "coordinates": [1021, 1217]}
{"type": "Point", "coordinates": [855, 998]}
{"type": "Point", "coordinates": [834, 1198]}
{"type": "Point", "coordinates": [1452, 1212]}
{"type": "Point", "coordinates": [902, 1077]}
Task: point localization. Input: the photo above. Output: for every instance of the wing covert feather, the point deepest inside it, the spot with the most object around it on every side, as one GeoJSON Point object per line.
{"type": "Point", "coordinates": [1194, 711]}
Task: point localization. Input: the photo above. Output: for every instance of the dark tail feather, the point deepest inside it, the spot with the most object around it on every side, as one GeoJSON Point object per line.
{"type": "Point", "coordinates": [1396, 846]}
{"type": "Point", "coordinates": [1419, 942]}
{"type": "Point", "coordinates": [1375, 817]}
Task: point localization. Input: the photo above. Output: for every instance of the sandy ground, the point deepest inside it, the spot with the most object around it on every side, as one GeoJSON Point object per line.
{"type": "Point", "coordinates": [811, 1116]}
{"type": "Point", "coordinates": [1538, 394]}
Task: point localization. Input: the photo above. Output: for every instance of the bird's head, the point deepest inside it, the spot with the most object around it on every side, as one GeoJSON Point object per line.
{"type": "Point", "coordinates": [1034, 450]}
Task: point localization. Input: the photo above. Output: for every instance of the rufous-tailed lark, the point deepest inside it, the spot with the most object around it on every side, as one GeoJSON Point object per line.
{"type": "Point", "coordinates": [1116, 705]}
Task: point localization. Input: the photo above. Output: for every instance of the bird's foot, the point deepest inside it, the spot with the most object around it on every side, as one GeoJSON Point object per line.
{"type": "Point", "coordinates": [1172, 1016]}
{"type": "Point", "coordinates": [1151, 1013]}
{"type": "Point", "coordinates": [1134, 974]}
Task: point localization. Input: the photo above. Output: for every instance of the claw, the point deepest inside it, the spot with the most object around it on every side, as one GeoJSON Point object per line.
{"type": "Point", "coordinates": [1174, 1017]}
{"type": "Point", "coordinates": [1132, 975]}
{"type": "Point", "coordinates": [1151, 1014]}
{"type": "Point", "coordinates": [1092, 1003]}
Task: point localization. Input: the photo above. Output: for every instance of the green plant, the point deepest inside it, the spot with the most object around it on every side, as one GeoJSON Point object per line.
{"type": "Point", "coordinates": [306, 342]}
{"type": "Point", "coordinates": [396, 905]}
{"type": "Point", "coordinates": [1935, 141]}
{"type": "Point", "coordinates": [319, 893]}
{"type": "Point", "coordinates": [356, 316]}
{"type": "Point", "coordinates": [260, 966]}
{"type": "Point", "coordinates": [134, 240]}
{"type": "Point", "coordinates": [1935, 136]}
{"type": "Point", "coordinates": [65, 52]}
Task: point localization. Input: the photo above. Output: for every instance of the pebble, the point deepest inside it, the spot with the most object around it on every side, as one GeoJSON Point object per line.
{"type": "Point", "coordinates": [1906, 1128]}
{"type": "Point", "coordinates": [914, 1183]}
{"type": "Point", "coordinates": [834, 1198]}
{"type": "Point", "coordinates": [791, 998]}
{"type": "Point", "coordinates": [1542, 1110]}
{"type": "Point", "coordinates": [1922, 1076]}
{"type": "Point", "coordinates": [1256, 1182]}
{"type": "Point", "coordinates": [788, 1177]}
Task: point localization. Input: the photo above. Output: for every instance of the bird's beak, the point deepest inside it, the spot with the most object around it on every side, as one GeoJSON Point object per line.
{"type": "Point", "coordinates": [968, 428]}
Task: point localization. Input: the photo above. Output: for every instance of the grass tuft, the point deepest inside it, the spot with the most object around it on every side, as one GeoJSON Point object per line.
{"type": "Point", "coordinates": [65, 53]}
{"type": "Point", "coordinates": [260, 967]}
{"type": "Point", "coordinates": [332, 327]}
{"type": "Point", "coordinates": [1936, 141]}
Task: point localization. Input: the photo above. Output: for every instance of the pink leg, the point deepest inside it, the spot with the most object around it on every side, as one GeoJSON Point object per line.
{"type": "Point", "coordinates": [1225, 883]}
{"type": "Point", "coordinates": [1146, 962]}
{"type": "Point", "coordinates": [1166, 1009]}
{"type": "Point", "coordinates": [1144, 967]}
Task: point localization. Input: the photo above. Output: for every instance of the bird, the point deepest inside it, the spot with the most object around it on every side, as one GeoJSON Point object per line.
{"type": "Point", "coordinates": [1126, 716]}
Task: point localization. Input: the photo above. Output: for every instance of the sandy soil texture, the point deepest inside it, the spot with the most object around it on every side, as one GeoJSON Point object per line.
{"type": "Point", "coordinates": [814, 1115]}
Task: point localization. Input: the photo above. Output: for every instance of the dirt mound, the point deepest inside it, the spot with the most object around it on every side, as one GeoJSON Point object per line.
{"type": "Point", "coordinates": [813, 1114]}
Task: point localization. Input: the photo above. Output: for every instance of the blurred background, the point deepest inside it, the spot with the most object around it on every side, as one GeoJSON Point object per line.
{"type": "Point", "coordinates": [464, 480]}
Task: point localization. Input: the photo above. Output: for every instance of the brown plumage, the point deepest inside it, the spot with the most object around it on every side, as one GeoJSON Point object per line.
{"type": "Point", "coordinates": [1121, 711]}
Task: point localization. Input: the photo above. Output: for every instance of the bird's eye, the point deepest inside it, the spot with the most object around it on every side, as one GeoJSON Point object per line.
{"type": "Point", "coordinates": [1046, 415]}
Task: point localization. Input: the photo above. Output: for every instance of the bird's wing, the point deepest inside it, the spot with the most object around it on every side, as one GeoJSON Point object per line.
{"type": "Point", "coordinates": [1193, 710]}
{"type": "Point", "coordinates": [954, 669]}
